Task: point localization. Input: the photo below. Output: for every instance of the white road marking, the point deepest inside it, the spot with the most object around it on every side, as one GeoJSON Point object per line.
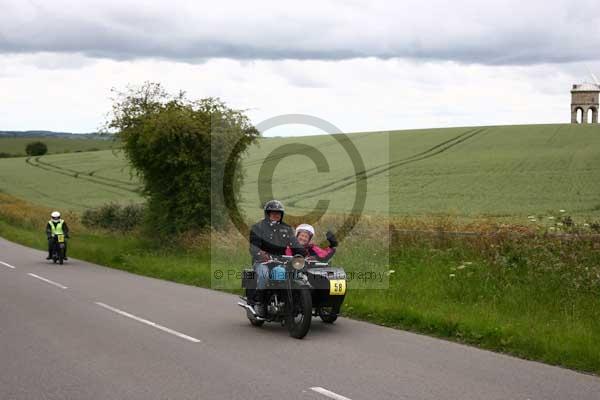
{"type": "Point", "coordinates": [328, 393]}
{"type": "Point", "coordinates": [7, 265]}
{"type": "Point", "coordinates": [48, 281]}
{"type": "Point", "coordinates": [150, 323]}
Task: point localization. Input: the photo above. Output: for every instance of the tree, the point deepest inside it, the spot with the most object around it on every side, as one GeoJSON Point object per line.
{"type": "Point", "coordinates": [177, 147]}
{"type": "Point", "coordinates": [36, 149]}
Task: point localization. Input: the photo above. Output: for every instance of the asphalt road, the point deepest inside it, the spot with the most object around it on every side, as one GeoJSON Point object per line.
{"type": "Point", "coordinates": [82, 331]}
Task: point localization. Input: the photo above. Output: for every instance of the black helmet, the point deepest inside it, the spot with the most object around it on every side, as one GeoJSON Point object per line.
{"type": "Point", "coordinates": [274, 205]}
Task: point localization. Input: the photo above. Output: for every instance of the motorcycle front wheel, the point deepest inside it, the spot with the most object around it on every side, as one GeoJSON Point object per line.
{"type": "Point", "coordinates": [298, 322]}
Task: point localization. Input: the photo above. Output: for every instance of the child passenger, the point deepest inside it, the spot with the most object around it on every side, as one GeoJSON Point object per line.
{"type": "Point", "coordinates": [304, 235]}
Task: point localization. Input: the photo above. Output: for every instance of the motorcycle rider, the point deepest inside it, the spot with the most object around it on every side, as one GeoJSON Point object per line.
{"type": "Point", "coordinates": [269, 237]}
{"type": "Point", "coordinates": [304, 235]}
{"type": "Point", "coordinates": [56, 226]}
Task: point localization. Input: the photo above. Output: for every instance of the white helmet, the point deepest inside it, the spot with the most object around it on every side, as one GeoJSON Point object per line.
{"type": "Point", "coordinates": [307, 228]}
{"type": "Point", "coordinates": [55, 215]}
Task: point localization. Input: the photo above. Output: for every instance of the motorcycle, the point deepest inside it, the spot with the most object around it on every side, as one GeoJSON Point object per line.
{"type": "Point", "coordinates": [297, 290]}
{"type": "Point", "coordinates": [58, 248]}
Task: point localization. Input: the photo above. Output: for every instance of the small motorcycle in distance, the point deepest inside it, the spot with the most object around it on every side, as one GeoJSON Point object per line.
{"type": "Point", "coordinates": [297, 289]}
{"type": "Point", "coordinates": [58, 248]}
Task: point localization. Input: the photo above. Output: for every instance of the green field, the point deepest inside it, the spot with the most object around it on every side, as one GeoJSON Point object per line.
{"type": "Point", "coordinates": [497, 172]}
{"type": "Point", "coordinates": [74, 181]}
{"type": "Point", "coordinates": [16, 146]}
{"type": "Point", "coordinates": [491, 171]}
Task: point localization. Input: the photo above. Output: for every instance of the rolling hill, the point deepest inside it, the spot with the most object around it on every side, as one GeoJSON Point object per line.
{"type": "Point", "coordinates": [497, 172]}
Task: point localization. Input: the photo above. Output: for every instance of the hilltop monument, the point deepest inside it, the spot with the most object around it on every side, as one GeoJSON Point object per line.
{"type": "Point", "coordinates": [584, 103]}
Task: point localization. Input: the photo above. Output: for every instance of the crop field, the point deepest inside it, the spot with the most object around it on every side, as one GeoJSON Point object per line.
{"type": "Point", "coordinates": [495, 172]}
{"type": "Point", "coordinates": [16, 146]}
{"type": "Point", "coordinates": [75, 181]}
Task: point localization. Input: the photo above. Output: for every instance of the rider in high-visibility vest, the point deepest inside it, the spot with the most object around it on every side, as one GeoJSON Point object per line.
{"type": "Point", "coordinates": [56, 226]}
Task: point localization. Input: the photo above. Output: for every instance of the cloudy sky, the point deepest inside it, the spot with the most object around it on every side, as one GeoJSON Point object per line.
{"type": "Point", "coordinates": [361, 65]}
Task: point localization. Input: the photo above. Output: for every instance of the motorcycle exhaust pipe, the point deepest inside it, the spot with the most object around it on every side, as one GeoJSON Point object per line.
{"type": "Point", "coordinates": [247, 307]}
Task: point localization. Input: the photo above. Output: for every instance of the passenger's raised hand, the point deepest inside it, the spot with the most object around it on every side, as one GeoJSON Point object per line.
{"type": "Point", "coordinates": [331, 238]}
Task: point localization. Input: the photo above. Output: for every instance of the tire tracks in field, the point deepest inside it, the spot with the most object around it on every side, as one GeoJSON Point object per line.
{"type": "Point", "coordinates": [282, 156]}
{"type": "Point", "coordinates": [383, 168]}
{"type": "Point", "coordinates": [79, 175]}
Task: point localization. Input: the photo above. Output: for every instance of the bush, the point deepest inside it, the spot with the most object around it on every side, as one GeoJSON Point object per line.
{"type": "Point", "coordinates": [177, 146]}
{"type": "Point", "coordinates": [36, 149]}
{"type": "Point", "coordinates": [114, 217]}
{"type": "Point", "coordinates": [6, 155]}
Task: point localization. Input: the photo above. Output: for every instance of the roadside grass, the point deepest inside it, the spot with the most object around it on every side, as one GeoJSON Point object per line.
{"type": "Point", "coordinates": [533, 295]}
{"type": "Point", "coordinates": [540, 312]}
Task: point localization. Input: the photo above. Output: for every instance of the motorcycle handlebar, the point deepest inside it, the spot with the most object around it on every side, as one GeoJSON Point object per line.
{"type": "Point", "coordinates": [283, 259]}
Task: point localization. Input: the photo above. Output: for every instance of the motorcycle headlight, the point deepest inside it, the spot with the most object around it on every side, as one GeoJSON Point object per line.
{"type": "Point", "coordinates": [298, 262]}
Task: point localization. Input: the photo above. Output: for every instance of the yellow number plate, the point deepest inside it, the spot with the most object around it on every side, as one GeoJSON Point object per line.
{"type": "Point", "coordinates": [61, 239]}
{"type": "Point", "coordinates": [337, 287]}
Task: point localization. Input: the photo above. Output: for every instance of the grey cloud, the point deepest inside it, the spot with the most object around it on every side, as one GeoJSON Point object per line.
{"type": "Point", "coordinates": [507, 33]}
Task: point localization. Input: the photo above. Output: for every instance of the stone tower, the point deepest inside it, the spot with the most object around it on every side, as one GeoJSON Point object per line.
{"type": "Point", "coordinates": [584, 101]}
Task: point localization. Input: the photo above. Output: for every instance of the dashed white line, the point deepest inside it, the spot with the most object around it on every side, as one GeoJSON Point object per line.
{"type": "Point", "coordinates": [48, 281]}
{"type": "Point", "coordinates": [150, 323]}
{"type": "Point", "coordinates": [7, 265]}
{"type": "Point", "coordinates": [328, 393]}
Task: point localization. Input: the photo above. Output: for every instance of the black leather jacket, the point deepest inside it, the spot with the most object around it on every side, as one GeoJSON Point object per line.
{"type": "Point", "coordinates": [272, 238]}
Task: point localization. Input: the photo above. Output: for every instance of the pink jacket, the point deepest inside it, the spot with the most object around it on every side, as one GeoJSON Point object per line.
{"type": "Point", "coordinates": [312, 250]}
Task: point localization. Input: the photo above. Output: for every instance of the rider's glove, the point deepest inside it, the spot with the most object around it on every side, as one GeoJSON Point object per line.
{"type": "Point", "coordinates": [263, 256]}
{"type": "Point", "coordinates": [331, 238]}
